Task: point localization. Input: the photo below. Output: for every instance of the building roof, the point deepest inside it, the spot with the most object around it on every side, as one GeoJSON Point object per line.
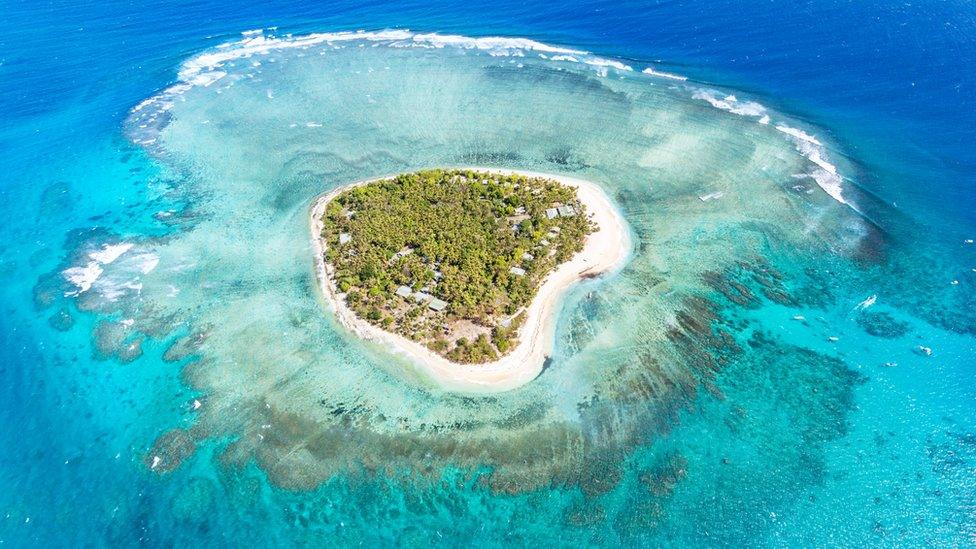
{"type": "Point", "coordinates": [517, 271]}
{"type": "Point", "coordinates": [527, 256]}
{"type": "Point", "coordinates": [344, 237]}
{"type": "Point", "coordinates": [552, 213]}
{"type": "Point", "coordinates": [566, 211]}
{"type": "Point", "coordinates": [421, 297]}
{"type": "Point", "coordinates": [437, 304]}
{"type": "Point", "coordinates": [404, 291]}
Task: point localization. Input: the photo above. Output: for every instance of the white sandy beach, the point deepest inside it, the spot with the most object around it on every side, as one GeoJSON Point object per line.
{"type": "Point", "coordinates": [605, 250]}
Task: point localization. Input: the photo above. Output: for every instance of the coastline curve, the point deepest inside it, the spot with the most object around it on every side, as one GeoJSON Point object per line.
{"type": "Point", "coordinates": [605, 251]}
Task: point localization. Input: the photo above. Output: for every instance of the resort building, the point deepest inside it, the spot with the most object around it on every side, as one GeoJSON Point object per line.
{"type": "Point", "coordinates": [560, 211]}
{"type": "Point", "coordinates": [404, 291]}
{"type": "Point", "coordinates": [566, 211]}
{"type": "Point", "coordinates": [421, 297]}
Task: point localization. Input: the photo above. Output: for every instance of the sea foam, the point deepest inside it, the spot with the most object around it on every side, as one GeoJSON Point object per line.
{"type": "Point", "coordinates": [111, 283]}
{"type": "Point", "coordinates": [662, 74]}
{"type": "Point", "coordinates": [110, 252]}
{"type": "Point", "coordinates": [83, 277]}
{"type": "Point", "coordinates": [825, 174]}
{"type": "Point", "coordinates": [204, 70]}
{"type": "Point", "coordinates": [730, 103]}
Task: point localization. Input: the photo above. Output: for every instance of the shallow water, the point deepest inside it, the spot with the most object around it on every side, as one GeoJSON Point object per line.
{"type": "Point", "coordinates": [725, 387]}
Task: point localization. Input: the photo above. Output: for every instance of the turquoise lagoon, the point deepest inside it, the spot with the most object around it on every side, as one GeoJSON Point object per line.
{"type": "Point", "coordinates": [752, 374]}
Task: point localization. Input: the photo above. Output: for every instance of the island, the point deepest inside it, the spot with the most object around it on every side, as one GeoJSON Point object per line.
{"type": "Point", "coordinates": [461, 269]}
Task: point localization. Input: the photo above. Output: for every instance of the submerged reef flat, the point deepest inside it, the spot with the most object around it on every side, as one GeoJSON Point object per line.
{"type": "Point", "coordinates": [739, 217]}
{"type": "Point", "coordinates": [463, 266]}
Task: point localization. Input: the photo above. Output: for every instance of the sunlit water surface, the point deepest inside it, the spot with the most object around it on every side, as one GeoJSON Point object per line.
{"type": "Point", "coordinates": [752, 373]}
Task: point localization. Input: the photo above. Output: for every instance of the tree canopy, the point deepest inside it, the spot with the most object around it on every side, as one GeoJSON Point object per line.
{"type": "Point", "coordinates": [462, 237]}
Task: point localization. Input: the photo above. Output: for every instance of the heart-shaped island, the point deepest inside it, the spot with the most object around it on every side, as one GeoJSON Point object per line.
{"type": "Point", "coordinates": [461, 270]}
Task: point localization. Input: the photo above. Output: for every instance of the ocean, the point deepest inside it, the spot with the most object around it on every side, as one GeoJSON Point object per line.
{"type": "Point", "coordinates": [786, 360]}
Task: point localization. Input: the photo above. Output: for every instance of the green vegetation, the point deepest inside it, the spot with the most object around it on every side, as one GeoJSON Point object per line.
{"type": "Point", "coordinates": [449, 258]}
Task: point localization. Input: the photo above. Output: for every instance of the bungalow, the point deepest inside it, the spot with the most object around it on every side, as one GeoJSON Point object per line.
{"type": "Point", "coordinates": [404, 291]}
{"type": "Point", "coordinates": [517, 271]}
{"type": "Point", "coordinates": [527, 256]}
{"type": "Point", "coordinates": [552, 213]}
{"type": "Point", "coordinates": [422, 297]}
{"type": "Point", "coordinates": [437, 304]}
{"type": "Point", "coordinates": [344, 238]}
{"type": "Point", "coordinates": [566, 211]}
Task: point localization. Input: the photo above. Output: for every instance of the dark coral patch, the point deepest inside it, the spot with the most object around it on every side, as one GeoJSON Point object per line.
{"type": "Point", "coordinates": [882, 324]}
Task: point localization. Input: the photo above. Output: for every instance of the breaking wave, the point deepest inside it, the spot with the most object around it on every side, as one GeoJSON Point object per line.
{"type": "Point", "coordinates": [204, 70]}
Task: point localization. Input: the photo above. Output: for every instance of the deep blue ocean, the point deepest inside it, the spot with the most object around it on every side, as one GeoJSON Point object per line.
{"type": "Point", "coordinates": [891, 87]}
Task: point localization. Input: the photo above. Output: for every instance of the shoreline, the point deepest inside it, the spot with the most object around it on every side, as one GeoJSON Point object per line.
{"type": "Point", "coordinates": [604, 251]}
